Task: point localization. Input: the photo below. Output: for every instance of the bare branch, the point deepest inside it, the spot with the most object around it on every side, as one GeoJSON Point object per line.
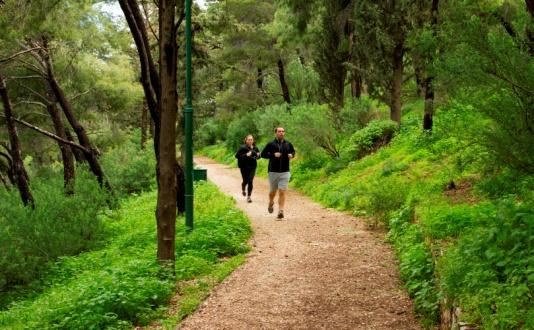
{"type": "Point", "coordinates": [48, 134]}
{"type": "Point", "coordinates": [2, 60]}
{"type": "Point", "coordinates": [23, 77]}
{"type": "Point", "coordinates": [29, 102]}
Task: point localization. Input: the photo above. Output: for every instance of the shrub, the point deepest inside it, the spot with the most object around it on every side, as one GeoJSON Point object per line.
{"type": "Point", "coordinates": [212, 131]}
{"type": "Point", "coordinates": [375, 135]}
{"type": "Point", "coordinates": [129, 168]}
{"type": "Point", "coordinates": [58, 226]}
{"type": "Point", "coordinates": [490, 272]}
{"type": "Point", "coordinates": [239, 129]}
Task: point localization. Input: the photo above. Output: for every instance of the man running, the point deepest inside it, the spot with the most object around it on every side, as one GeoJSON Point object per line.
{"type": "Point", "coordinates": [279, 152]}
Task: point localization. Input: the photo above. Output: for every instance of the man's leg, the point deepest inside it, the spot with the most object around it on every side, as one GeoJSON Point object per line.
{"type": "Point", "coordinates": [281, 199]}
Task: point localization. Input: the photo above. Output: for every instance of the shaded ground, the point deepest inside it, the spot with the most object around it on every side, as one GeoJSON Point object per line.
{"type": "Point", "coordinates": [316, 269]}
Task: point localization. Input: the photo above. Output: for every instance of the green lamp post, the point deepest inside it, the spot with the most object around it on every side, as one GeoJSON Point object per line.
{"type": "Point", "coordinates": [188, 119]}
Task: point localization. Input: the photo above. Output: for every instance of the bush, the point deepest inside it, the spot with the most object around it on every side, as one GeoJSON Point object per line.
{"type": "Point", "coordinates": [212, 131]}
{"type": "Point", "coordinates": [239, 129]}
{"type": "Point", "coordinates": [58, 226]}
{"type": "Point", "coordinates": [375, 135]}
{"type": "Point", "coordinates": [129, 168]}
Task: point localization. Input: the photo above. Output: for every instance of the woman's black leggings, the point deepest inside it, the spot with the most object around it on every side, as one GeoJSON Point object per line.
{"type": "Point", "coordinates": [248, 176]}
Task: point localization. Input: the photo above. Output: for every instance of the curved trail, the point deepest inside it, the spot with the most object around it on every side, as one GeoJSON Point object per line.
{"type": "Point", "coordinates": [315, 269]}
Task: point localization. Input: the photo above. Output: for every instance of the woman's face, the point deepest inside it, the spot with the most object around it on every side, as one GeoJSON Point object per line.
{"type": "Point", "coordinates": [249, 140]}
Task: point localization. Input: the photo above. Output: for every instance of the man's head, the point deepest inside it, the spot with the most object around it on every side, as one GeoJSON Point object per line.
{"type": "Point", "coordinates": [280, 132]}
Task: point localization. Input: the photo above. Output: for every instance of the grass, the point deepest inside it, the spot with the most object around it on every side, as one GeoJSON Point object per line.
{"type": "Point", "coordinates": [122, 285]}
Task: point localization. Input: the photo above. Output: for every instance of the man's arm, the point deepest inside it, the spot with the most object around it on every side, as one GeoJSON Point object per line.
{"type": "Point", "coordinates": [267, 152]}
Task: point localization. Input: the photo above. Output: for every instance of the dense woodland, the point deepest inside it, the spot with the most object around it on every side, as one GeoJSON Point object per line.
{"type": "Point", "coordinates": [417, 116]}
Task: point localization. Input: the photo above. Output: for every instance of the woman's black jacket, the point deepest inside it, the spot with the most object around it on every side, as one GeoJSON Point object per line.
{"type": "Point", "coordinates": [244, 161]}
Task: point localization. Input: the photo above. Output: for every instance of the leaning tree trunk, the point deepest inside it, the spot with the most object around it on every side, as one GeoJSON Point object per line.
{"type": "Point", "coordinates": [78, 154]}
{"type": "Point", "coordinates": [283, 83]}
{"type": "Point", "coordinates": [91, 155]}
{"type": "Point", "coordinates": [166, 205]}
{"type": "Point", "coordinates": [21, 176]}
{"type": "Point", "coordinates": [396, 83]}
{"type": "Point", "coordinates": [66, 151]}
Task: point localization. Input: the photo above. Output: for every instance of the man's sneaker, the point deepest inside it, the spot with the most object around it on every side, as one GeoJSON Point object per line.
{"type": "Point", "coordinates": [249, 200]}
{"type": "Point", "coordinates": [280, 215]}
{"type": "Point", "coordinates": [270, 208]}
{"type": "Point", "coordinates": [244, 193]}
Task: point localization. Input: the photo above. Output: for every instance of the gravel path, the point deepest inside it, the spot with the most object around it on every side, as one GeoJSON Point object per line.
{"type": "Point", "coordinates": [316, 269]}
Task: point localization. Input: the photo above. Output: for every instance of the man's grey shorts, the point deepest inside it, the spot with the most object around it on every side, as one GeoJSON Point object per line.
{"type": "Point", "coordinates": [278, 180]}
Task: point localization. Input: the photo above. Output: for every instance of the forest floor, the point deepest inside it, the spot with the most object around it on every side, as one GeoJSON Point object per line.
{"type": "Point", "coordinates": [315, 269]}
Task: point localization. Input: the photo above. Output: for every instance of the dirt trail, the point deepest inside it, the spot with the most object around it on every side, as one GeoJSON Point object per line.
{"type": "Point", "coordinates": [315, 269]}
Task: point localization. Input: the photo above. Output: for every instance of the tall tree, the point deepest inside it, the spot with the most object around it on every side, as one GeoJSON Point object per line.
{"type": "Point", "coordinates": [166, 207]}
{"type": "Point", "coordinates": [382, 26]}
{"type": "Point", "coordinates": [162, 99]}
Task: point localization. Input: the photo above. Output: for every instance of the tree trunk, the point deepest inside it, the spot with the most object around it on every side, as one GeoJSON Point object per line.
{"type": "Point", "coordinates": [166, 204]}
{"type": "Point", "coordinates": [21, 176]}
{"type": "Point", "coordinates": [355, 78]}
{"type": "Point", "coordinates": [144, 125]}
{"type": "Point", "coordinates": [396, 83]}
{"type": "Point", "coordinates": [429, 104]}
{"type": "Point", "coordinates": [149, 75]}
{"type": "Point", "coordinates": [259, 79]}
{"type": "Point", "coordinates": [419, 74]}
{"type": "Point", "coordinates": [78, 154]}
{"type": "Point", "coordinates": [283, 84]}
{"type": "Point", "coordinates": [66, 151]}
{"type": "Point", "coordinates": [355, 85]}
{"type": "Point", "coordinates": [530, 7]}
{"type": "Point", "coordinates": [428, 85]}
{"type": "Point", "coordinates": [92, 154]}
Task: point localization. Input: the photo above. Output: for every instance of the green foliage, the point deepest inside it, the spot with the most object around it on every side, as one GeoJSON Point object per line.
{"type": "Point", "coordinates": [60, 225]}
{"type": "Point", "coordinates": [357, 113]}
{"type": "Point", "coordinates": [122, 285]}
{"type": "Point", "coordinates": [490, 272]}
{"type": "Point", "coordinates": [129, 168]}
{"type": "Point", "coordinates": [376, 134]}
{"type": "Point", "coordinates": [490, 74]}
{"type": "Point", "coordinates": [239, 129]}
{"type": "Point", "coordinates": [211, 131]}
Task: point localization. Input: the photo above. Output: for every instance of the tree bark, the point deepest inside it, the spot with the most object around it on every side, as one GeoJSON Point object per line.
{"type": "Point", "coordinates": [283, 84]}
{"type": "Point", "coordinates": [66, 152]}
{"type": "Point", "coordinates": [530, 7]}
{"type": "Point", "coordinates": [259, 79]}
{"type": "Point", "coordinates": [396, 83]}
{"type": "Point", "coordinates": [20, 175]}
{"type": "Point", "coordinates": [419, 74]}
{"type": "Point", "coordinates": [144, 125]}
{"type": "Point", "coordinates": [355, 77]}
{"type": "Point", "coordinates": [428, 85]}
{"type": "Point", "coordinates": [166, 204]}
{"type": "Point", "coordinates": [78, 153]}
